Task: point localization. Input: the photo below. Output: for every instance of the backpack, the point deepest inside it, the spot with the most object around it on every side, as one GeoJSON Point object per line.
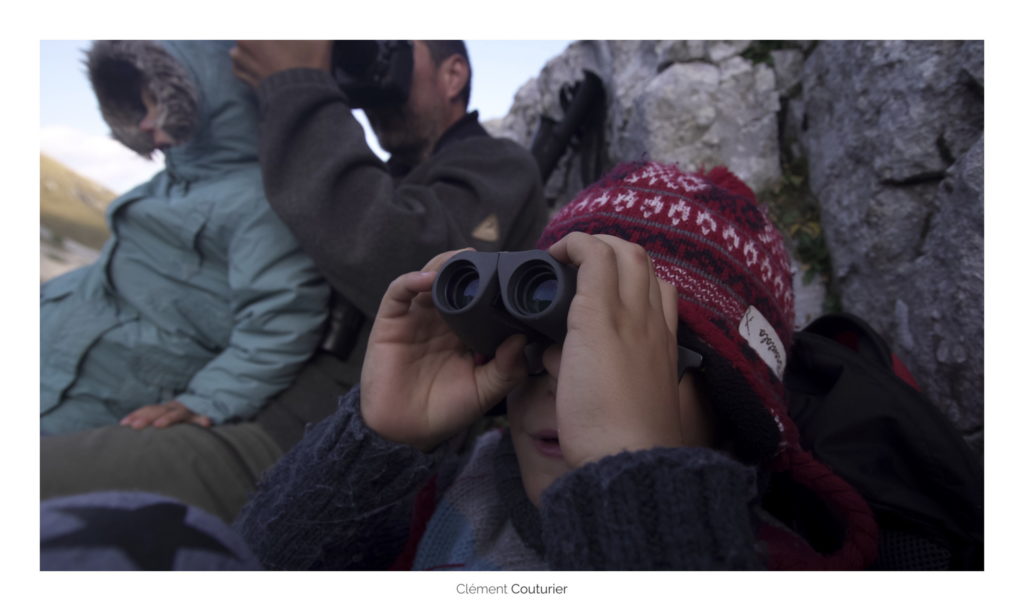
{"type": "Point", "coordinates": [860, 412]}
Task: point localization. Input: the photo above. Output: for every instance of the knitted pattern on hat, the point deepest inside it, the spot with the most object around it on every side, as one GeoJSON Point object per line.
{"type": "Point", "coordinates": [708, 237]}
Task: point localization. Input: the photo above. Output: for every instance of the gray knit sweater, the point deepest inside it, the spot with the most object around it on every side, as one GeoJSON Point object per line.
{"type": "Point", "coordinates": [343, 497]}
{"type": "Point", "coordinates": [364, 224]}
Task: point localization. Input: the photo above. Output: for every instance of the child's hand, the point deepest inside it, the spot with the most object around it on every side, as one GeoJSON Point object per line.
{"type": "Point", "coordinates": [617, 381]}
{"type": "Point", "coordinates": [163, 415]}
{"type": "Point", "coordinates": [420, 384]}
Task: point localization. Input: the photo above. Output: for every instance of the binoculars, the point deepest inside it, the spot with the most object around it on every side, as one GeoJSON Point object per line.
{"type": "Point", "coordinates": [487, 296]}
{"type": "Point", "coordinates": [373, 73]}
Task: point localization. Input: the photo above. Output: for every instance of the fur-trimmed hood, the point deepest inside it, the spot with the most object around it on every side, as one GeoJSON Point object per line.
{"type": "Point", "coordinates": [211, 114]}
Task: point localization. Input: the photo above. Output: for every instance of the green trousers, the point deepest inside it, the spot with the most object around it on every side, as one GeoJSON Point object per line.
{"type": "Point", "coordinates": [214, 468]}
{"type": "Point", "coordinates": [211, 468]}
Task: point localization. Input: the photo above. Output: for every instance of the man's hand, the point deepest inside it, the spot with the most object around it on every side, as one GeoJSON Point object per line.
{"type": "Point", "coordinates": [163, 415]}
{"type": "Point", "coordinates": [255, 60]}
{"type": "Point", "coordinates": [420, 384]}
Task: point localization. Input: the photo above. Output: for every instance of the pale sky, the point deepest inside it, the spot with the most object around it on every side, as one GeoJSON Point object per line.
{"type": "Point", "coordinates": [72, 131]}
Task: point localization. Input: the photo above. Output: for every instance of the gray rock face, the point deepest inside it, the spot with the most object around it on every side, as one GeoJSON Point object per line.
{"type": "Point", "coordinates": [692, 103]}
{"type": "Point", "coordinates": [699, 114]}
{"type": "Point", "coordinates": [892, 133]}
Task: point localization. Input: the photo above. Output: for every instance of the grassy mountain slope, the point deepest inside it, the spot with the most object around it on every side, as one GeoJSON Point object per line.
{"type": "Point", "coordinates": [71, 206]}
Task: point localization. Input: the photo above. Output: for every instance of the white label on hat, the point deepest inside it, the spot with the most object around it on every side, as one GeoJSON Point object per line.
{"type": "Point", "coordinates": [761, 336]}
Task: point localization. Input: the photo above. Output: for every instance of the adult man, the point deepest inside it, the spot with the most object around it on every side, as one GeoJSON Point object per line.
{"type": "Point", "coordinates": [447, 185]}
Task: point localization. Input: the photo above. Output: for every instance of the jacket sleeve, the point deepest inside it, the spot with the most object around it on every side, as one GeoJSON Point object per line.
{"type": "Point", "coordinates": [659, 509]}
{"type": "Point", "coordinates": [278, 302]}
{"type": "Point", "coordinates": [340, 499]}
{"type": "Point", "coordinates": [347, 211]}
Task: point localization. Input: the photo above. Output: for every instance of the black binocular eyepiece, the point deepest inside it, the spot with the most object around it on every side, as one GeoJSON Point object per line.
{"type": "Point", "coordinates": [487, 296]}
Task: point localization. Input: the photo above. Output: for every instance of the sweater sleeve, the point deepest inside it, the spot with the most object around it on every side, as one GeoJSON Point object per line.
{"type": "Point", "coordinates": [340, 499]}
{"type": "Point", "coordinates": [361, 227]}
{"type": "Point", "coordinates": [659, 509]}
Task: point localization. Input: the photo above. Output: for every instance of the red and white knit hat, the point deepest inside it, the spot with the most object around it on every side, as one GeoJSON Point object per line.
{"type": "Point", "coordinates": [707, 235]}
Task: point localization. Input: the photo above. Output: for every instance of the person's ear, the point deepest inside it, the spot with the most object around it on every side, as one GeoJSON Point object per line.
{"type": "Point", "coordinates": [454, 75]}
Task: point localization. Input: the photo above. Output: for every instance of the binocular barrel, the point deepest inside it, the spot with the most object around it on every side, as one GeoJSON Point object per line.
{"type": "Point", "coordinates": [373, 73]}
{"type": "Point", "coordinates": [487, 296]}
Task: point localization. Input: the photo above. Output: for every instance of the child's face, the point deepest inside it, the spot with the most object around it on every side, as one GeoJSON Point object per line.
{"type": "Point", "coordinates": [533, 425]}
{"type": "Point", "coordinates": [151, 122]}
{"type": "Point", "coordinates": [534, 428]}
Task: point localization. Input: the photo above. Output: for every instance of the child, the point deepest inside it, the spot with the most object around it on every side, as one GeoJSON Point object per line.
{"type": "Point", "coordinates": [201, 305]}
{"type": "Point", "coordinates": [610, 460]}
